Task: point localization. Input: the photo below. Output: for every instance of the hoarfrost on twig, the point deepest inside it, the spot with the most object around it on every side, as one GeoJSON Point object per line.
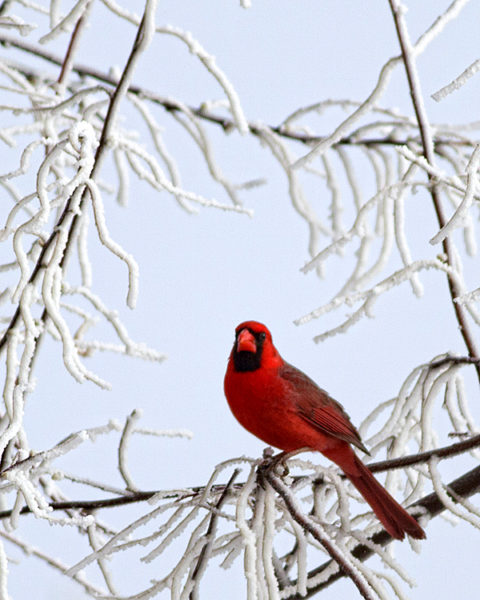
{"type": "Point", "coordinates": [458, 82]}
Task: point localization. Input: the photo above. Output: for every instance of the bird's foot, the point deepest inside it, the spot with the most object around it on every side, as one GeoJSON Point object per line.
{"type": "Point", "coordinates": [271, 463]}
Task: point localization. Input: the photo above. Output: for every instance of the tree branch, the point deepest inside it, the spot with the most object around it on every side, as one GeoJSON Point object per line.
{"type": "Point", "coordinates": [132, 497]}
{"type": "Point", "coordinates": [89, 505]}
{"type": "Point", "coordinates": [465, 486]}
{"type": "Point", "coordinates": [209, 535]}
{"type": "Point", "coordinates": [423, 457]}
{"type": "Point", "coordinates": [73, 45]}
{"type": "Point", "coordinates": [456, 360]}
{"type": "Point", "coordinates": [200, 112]}
{"type": "Point", "coordinates": [429, 154]}
{"type": "Point", "coordinates": [119, 92]}
{"type": "Point", "coordinates": [317, 532]}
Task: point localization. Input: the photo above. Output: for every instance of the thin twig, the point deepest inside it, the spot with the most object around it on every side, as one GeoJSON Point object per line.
{"type": "Point", "coordinates": [465, 486]}
{"type": "Point", "coordinates": [226, 123]}
{"type": "Point", "coordinates": [118, 94]}
{"type": "Point", "coordinates": [423, 457]}
{"type": "Point", "coordinates": [308, 525]}
{"type": "Point", "coordinates": [29, 550]}
{"type": "Point", "coordinates": [73, 45]}
{"type": "Point", "coordinates": [429, 154]}
{"type": "Point", "coordinates": [455, 360]}
{"type": "Point", "coordinates": [122, 449]}
{"type": "Point", "coordinates": [130, 497]}
{"type": "Point", "coordinates": [209, 537]}
{"type": "Point", "coordinates": [89, 505]}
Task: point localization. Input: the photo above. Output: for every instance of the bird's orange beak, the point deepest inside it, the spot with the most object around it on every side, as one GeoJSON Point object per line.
{"type": "Point", "coordinates": [246, 342]}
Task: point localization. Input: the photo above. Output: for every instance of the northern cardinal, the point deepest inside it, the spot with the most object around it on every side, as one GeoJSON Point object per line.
{"type": "Point", "coordinates": [283, 407]}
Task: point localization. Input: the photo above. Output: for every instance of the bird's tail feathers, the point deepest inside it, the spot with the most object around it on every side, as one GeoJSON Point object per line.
{"type": "Point", "coordinates": [390, 513]}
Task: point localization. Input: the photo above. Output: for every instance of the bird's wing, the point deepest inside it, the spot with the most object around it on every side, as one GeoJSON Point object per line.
{"type": "Point", "coordinates": [319, 409]}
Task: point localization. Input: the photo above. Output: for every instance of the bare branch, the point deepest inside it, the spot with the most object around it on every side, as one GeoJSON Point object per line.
{"type": "Point", "coordinates": [317, 532]}
{"type": "Point", "coordinates": [465, 486]}
{"type": "Point", "coordinates": [226, 123]}
{"type": "Point", "coordinates": [73, 45]}
{"type": "Point", "coordinates": [130, 497]}
{"type": "Point", "coordinates": [70, 217]}
{"type": "Point", "coordinates": [428, 150]}
{"type": "Point", "coordinates": [204, 553]}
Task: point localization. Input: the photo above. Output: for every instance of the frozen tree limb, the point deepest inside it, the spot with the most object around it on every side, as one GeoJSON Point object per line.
{"type": "Point", "coordinates": [75, 205]}
{"type": "Point", "coordinates": [348, 569]}
{"type": "Point", "coordinates": [408, 55]}
{"type": "Point", "coordinates": [208, 541]}
{"type": "Point", "coordinates": [456, 220]}
{"type": "Point", "coordinates": [122, 449]}
{"type": "Point", "coordinates": [224, 122]}
{"type": "Point", "coordinates": [458, 82]}
{"type": "Point", "coordinates": [465, 486]}
{"type": "Point", "coordinates": [142, 496]}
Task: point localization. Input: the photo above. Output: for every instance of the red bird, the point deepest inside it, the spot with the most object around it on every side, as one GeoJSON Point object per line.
{"type": "Point", "coordinates": [283, 407]}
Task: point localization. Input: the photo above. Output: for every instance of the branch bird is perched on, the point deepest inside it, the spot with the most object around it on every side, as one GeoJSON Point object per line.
{"type": "Point", "coordinates": [283, 407]}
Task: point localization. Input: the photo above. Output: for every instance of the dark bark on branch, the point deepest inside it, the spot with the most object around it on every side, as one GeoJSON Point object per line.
{"type": "Point", "coordinates": [209, 536]}
{"type": "Point", "coordinates": [429, 154]}
{"type": "Point", "coordinates": [465, 486]}
{"type": "Point", "coordinates": [89, 505]}
{"type": "Point", "coordinates": [308, 525]}
{"type": "Point", "coordinates": [132, 497]}
{"type": "Point", "coordinates": [423, 457]}
{"type": "Point", "coordinates": [224, 122]}
{"type": "Point", "coordinates": [73, 45]}
{"type": "Point", "coordinates": [116, 97]}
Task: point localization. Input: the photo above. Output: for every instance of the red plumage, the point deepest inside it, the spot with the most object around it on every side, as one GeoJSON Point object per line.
{"type": "Point", "coordinates": [285, 408]}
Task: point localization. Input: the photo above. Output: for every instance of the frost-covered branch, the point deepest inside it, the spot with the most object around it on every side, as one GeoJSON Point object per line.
{"type": "Point", "coordinates": [317, 532]}
{"type": "Point", "coordinates": [180, 508]}
{"type": "Point", "coordinates": [128, 497]}
{"type": "Point", "coordinates": [205, 113]}
{"type": "Point", "coordinates": [408, 56]}
{"type": "Point", "coordinates": [205, 553]}
{"type": "Point", "coordinates": [465, 486]}
{"type": "Point", "coordinates": [458, 82]}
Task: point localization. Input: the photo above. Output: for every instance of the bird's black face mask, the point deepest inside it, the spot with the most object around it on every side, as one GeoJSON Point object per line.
{"type": "Point", "coordinates": [248, 359]}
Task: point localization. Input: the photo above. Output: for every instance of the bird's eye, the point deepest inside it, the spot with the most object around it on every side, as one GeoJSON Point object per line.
{"type": "Point", "coordinates": [261, 336]}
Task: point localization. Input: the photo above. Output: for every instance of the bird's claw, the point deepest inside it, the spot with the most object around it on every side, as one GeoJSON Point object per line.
{"type": "Point", "coordinates": [271, 463]}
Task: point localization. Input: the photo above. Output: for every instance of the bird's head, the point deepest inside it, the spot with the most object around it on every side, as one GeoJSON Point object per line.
{"type": "Point", "coordinates": [253, 347]}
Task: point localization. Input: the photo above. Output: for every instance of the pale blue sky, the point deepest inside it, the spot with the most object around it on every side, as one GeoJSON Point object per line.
{"type": "Point", "coordinates": [203, 274]}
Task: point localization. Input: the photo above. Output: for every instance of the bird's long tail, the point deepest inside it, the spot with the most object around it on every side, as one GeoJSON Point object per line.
{"type": "Point", "coordinates": [390, 513]}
